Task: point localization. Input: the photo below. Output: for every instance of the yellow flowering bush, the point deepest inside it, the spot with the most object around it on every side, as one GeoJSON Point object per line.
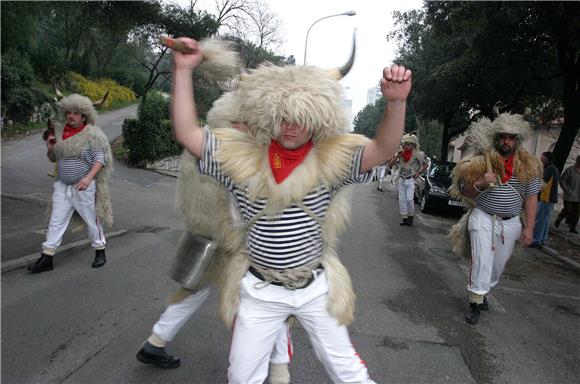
{"type": "Point", "coordinates": [96, 89]}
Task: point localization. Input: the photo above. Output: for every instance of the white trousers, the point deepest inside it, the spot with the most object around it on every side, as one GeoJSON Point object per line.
{"type": "Point", "coordinates": [177, 314]}
{"type": "Point", "coordinates": [491, 248]}
{"type": "Point", "coordinates": [381, 171]}
{"type": "Point", "coordinates": [263, 310]}
{"type": "Point", "coordinates": [406, 189]}
{"type": "Point", "coordinates": [65, 200]}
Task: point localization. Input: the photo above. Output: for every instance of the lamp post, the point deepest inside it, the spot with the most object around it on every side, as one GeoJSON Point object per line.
{"type": "Point", "coordinates": [349, 13]}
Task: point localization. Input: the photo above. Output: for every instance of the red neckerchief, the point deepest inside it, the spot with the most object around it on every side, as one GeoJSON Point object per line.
{"type": "Point", "coordinates": [508, 165]}
{"type": "Point", "coordinates": [71, 131]}
{"type": "Point", "coordinates": [283, 161]}
{"type": "Point", "coordinates": [407, 153]}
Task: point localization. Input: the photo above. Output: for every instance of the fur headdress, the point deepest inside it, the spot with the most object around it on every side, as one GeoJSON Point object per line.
{"type": "Point", "coordinates": [80, 104]}
{"type": "Point", "coordinates": [482, 134]}
{"type": "Point", "coordinates": [308, 96]}
{"type": "Point", "coordinates": [410, 139]}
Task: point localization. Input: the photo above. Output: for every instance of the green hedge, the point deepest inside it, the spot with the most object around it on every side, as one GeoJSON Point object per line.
{"type": "Point", "coordinates": [19, 93]}
{"type": "Point", "coordinates": [149, 137]}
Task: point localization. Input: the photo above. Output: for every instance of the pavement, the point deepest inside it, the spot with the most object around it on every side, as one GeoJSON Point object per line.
{"type": "Point", "coordinates": [562, 239]}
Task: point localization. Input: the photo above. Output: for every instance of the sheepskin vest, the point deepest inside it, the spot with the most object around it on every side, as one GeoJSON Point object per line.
{"type": "Point", "coordinates": [91, 136]}
{"type": "Point", "coordinates": [467, 171]}
{"type": "Point", "coordinates": [247, 163]}
{"type": "Point", "coordinates": [413, 165]}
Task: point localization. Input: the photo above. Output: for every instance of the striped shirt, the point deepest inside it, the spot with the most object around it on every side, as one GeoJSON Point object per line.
{"type": "Point", "coordinates": [503, 201]}
{"type": "Point", "coordinates": [72, 169]}
{"type": "Point", "coordinates": [292, 238]}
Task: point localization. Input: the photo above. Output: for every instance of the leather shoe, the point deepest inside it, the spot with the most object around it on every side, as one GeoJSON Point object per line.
{"type": "Point", "coordinates": [557, 222]}
{"type": "Point", "coordinates": [404, 221]}
{"type": "Point", "coordinates": [485, 305]}
{"type": "Point", "coordinates": [43, 264]}
{"type": "Point", "coordinates": [573, 230]}
{"type": "Point", "coordinates": [157, 356]}
{"type": "Point", "coordinates": [410, 221]}
{"type": "Point", "coordinates": [100, 258]}
{"type": "Point", "coordinates": [472, 316]}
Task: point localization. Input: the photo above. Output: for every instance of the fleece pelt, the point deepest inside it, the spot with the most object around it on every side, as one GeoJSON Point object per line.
{"type": "Point", "coordinates": [91, 136]}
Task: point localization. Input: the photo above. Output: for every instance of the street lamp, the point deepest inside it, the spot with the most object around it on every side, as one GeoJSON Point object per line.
{"type": "Point", "coordinates": [349, 13]}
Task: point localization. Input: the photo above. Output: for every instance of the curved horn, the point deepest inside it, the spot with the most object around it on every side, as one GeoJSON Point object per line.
{"type": "Point", "coordinates": [58, 93]}
{"type": "Point", "coordinates": [341, 72]}
{"type": "Point", "coordinates": [497, 108]}
{"type": "Point", "coordinates": [100, 102]}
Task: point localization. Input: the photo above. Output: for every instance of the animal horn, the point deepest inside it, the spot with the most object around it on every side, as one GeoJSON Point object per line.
{"type": "Point", "coordinates": [341, 72]}
{"type": "Point", "coordinates": [58, 93]}
{"type": "Point", "coordinates": [496, 108]}
{"type": "Point", "coordinates": [100, 102]}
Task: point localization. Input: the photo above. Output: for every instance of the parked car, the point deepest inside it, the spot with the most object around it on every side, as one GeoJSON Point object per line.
{"type": "Point", "coordinates": [431, 187]}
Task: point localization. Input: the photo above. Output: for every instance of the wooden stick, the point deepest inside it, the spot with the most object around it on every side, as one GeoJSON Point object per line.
{"type": "Point", "coordinates": [174, 44]}
{"type": "Point", "coordinates": [489, 169]}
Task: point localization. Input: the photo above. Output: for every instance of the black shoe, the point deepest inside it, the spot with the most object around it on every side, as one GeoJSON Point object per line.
{"type": "Point", "coordinates": [405, 221]}
{"type": "Point", "coordinates": [150, 354]}
{"type": "Point", "coordinates": [472, 316]}
{"type": "Point", "coordinates": [43, 264]}
{"type": "Point", "coordinates": [536, 245]}
{"type": "Point", "coordinates": [410, 221]}
{"type": "Point", "coordinates": [100, 258]}
{"type": "Point", "coordinates": [557, 222]}
{"type": "Point", "coordinates": [485, 305]}
{"type": "Point", "coordinates": [573, 230]}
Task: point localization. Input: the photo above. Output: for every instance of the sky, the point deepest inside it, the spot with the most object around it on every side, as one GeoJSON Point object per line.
{"type": "Point", "coordinates": [330, 40]}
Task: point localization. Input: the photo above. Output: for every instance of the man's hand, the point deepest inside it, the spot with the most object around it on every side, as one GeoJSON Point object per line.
{"type": "Point", "coordinates": [83, 183]}
{"type": "Point", "coordinates": [483, 182]}
{"type": "Point", "coordinates": [188, 60]}
{"type": "Point", "coordinates": [396, 83]}
{"type": "Point", "coordinates": [50, 142]}
{"type": "Point", "coordinates": [527, 236]}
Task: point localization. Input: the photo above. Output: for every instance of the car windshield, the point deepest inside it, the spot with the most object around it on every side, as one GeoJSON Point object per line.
{"type": "Point", "coordinates": [442, 171]}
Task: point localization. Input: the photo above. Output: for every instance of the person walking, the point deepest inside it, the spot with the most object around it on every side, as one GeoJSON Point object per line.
{"type": "Point", "coordinates": [570, 184]}
{"type": "Point", "coordinates": [499, 182]}
{"type": "Point", "coordinates": [410, 162]}
{"type": "Point", "coordinates": [546, 200]}
{"type": "Point", "coordinates": [84, 161]}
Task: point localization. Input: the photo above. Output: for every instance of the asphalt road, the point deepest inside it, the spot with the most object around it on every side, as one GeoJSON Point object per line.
{"type": "Point", "coordinates": [80, 325]}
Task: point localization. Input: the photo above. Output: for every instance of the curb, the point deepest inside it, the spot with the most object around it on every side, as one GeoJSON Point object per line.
{"type": "Point", "coordinates": [23, 261]}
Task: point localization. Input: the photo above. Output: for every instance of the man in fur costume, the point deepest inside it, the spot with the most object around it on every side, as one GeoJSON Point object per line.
{"type": "Point", "coordinates": [206, 207]}
{"type": "Point", "coordinates": [286, 175]}
{"type": "Point", "coordinates": [410, 162]}
{"type": "Point", "coordinates": [500, 182]}
{"type": "Point", "coordinates": [83, 156]}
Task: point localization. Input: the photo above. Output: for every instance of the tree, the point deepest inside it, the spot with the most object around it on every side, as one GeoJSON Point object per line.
{"type": "Point", "coordinates": [467, 56]}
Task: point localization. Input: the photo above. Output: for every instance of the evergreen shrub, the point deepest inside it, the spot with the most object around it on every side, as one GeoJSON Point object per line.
{"type": "Point", "coordinates": [149, 137]}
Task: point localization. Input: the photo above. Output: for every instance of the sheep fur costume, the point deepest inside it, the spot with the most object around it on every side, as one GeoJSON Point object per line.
{"type": "Point", "coordinates": [482, 140]}
{"type": "Point", "coordinates": [264, 97]}
{"type": "Point", "coordinates": [91, 136]}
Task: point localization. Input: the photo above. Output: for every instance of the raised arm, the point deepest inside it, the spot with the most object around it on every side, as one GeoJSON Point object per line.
{"type": "Point", "coordinates": [183, 112]}
{"type": "Point", "coordinates": [395, 86]}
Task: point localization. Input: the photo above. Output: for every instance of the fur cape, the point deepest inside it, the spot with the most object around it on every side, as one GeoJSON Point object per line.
{"type": "Point", "coordinates": [91, 136]}
{"type": "Point", "coordinates": [467, 171]}
{"type": "Point", "coordinates": [205, 205]}
{"type": "Point", "coordinates": [414, 163]}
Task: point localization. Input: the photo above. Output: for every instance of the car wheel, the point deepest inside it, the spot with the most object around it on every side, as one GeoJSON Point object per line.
{"type": "Point", "coordinates": [424, 206]}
